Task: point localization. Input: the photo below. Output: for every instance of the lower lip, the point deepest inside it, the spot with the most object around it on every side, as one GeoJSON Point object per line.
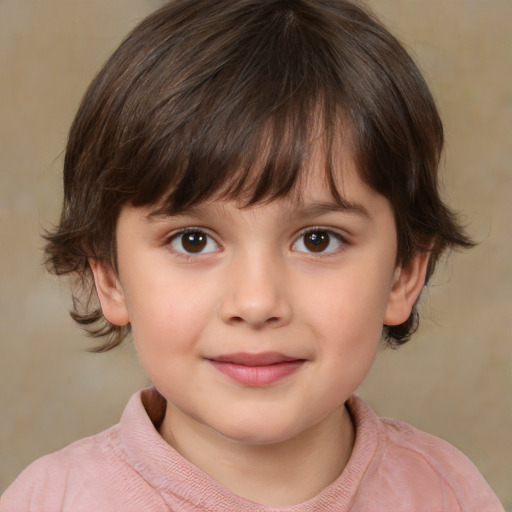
{"type": "Point", "coordinates": [258, 376]}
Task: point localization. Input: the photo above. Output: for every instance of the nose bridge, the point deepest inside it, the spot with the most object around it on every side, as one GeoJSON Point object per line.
{"type": "Point", "coordinates": [256, 291]}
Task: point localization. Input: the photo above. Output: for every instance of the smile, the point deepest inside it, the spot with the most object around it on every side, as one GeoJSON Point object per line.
{"type": "Point", "coordinates": [256, 370]}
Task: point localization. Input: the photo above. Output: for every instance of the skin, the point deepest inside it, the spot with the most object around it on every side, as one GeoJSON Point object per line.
{"type": "Point", "coordinates": [255, 287]}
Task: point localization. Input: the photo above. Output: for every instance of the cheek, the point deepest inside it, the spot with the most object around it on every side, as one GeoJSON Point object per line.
{"type": "Point", "coordinates": [351, 304]}
{"type": "Point", "coordinates": [347, 318]}
{"type": "Point", "coordinates": [168, 316]}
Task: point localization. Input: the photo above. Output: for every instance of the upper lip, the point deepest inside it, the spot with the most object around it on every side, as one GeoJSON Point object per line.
{"type": "Point", "coordinates": [248, 359]}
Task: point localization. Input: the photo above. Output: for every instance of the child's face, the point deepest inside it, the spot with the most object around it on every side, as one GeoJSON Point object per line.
{"type": "Point", "coordinates": [260, 322]}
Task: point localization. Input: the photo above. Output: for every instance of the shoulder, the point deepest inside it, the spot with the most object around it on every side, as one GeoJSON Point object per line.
{"type": "Point", "coordinates": [101, 472]}
{"type": "Point", "coordinates": [426, 458]}
{"type": "Point", "coordinates": [422, 468]}
{"type": "Point", "coordinates": [49, 482]}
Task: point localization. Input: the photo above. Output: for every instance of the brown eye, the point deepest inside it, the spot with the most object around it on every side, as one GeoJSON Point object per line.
{"type": "Point", "coordinates": [318, 241]}
{"type": "Point", "coordinates": [193, 242]}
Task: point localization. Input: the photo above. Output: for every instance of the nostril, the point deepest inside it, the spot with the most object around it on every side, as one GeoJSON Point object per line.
{"type": "Point", "coordinates": [268, 321]}
{"type": "Point", "coordinates": [255, 306]}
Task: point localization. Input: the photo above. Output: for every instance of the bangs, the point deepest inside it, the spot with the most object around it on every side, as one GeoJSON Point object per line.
{"type": "Point", "coordinates": [240, 124]}
{"type": "Point", "coordinates": [260, 166]}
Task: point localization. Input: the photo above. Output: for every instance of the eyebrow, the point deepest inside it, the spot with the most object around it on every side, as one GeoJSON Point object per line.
{"type": "Point", "coordinates": [163, 211]}
{"type": "Point", "coordinates": [319, 208]}
{"type": "Point", "coordinates": [311, 209]}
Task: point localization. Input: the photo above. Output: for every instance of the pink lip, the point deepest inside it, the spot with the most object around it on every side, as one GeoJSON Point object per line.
{"type": "Point", "coordinates": [256, 370]}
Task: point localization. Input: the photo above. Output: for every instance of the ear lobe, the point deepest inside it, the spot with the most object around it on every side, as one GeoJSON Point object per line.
{"type": "Point", "coordinates": [407, 285]}
{"type": "Point", "coordinates": [110, 293]}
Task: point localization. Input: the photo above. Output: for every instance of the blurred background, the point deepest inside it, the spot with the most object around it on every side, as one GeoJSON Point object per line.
{"type": "Point", "coordinates": [453, 379]}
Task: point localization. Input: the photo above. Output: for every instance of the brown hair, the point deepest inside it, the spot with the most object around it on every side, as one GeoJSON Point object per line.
{"type": "Point", "coordinates": [185, 106]}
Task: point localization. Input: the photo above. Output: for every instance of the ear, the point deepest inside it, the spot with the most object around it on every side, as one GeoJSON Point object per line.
{"type": "Point", "coordinates": [110, 293]}
{"type": "Point", "coordinates": [407, 285]}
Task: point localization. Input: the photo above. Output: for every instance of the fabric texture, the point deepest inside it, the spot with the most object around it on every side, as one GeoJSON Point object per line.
{"type": "Point", "coordinates": [130, 468]}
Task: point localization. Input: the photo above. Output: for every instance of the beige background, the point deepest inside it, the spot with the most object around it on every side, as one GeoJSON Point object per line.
{"type": "Point", "coordinates": [453, 380]}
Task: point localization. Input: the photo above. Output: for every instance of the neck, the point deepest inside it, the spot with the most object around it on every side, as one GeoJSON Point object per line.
{"type": "Point", "coordinates": [279, 474]}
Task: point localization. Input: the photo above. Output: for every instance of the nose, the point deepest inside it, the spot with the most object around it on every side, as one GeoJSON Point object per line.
{"type": "Point", "coordinates": [256, 294]}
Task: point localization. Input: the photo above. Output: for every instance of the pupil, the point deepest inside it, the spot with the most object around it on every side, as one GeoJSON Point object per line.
{"type": "Point", "coordinates": [194, 242]}
{"type": "Point", "coordinates": [317, 241]}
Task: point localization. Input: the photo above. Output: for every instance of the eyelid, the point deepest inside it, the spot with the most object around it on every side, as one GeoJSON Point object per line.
{"type": "Point", "coordinates": [330, 231]}
{"type": "Point", "coordinates": [190, 229]}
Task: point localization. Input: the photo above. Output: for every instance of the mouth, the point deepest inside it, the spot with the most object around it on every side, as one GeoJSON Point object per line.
{"type": "Point", "coordinates": [256, 370]}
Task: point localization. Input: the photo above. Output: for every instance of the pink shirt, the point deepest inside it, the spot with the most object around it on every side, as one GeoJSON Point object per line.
{"type": "Point", "coordinates": [129, 468]}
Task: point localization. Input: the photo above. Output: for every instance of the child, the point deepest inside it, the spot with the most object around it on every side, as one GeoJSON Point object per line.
{"type": "Point", "coordinates": [251, 191]}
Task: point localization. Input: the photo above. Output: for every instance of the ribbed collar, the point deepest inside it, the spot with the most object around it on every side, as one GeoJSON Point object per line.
{"type": "Point", "coordinates": [172, 475]}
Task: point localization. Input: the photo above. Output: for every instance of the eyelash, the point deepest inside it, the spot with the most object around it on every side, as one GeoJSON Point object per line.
{"type": "Point", "coordinates": [190, 230]}
{"type": "Point", "coordinates": [332, 235]}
